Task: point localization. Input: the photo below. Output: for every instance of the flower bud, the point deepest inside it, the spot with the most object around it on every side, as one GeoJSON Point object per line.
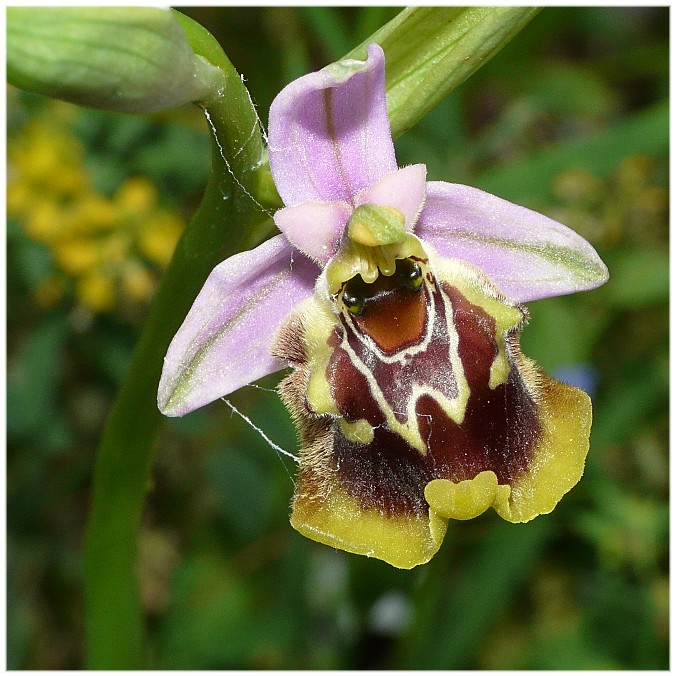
{"type": "Point", "coordinates": [126, 59]}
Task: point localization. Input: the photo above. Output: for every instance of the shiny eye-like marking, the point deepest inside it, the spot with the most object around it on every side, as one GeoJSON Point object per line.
{"type": "Point", "coordinates": [356, 293]}
{"type": "Point", "coordinates": [412, 274]}
{"type": "Point", "coordinates": [353, 302]}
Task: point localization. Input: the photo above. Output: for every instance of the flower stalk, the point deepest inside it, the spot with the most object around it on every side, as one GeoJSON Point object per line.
{"type": "Point", "coordinates": [114, 622]}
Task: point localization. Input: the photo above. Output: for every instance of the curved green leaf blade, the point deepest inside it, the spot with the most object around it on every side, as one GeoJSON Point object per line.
{"type": "Point", "coordinates": [431, 50]}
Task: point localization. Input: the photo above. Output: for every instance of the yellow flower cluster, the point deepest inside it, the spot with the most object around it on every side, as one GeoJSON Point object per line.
{"type": "Point", "coordinates": [109, 249]}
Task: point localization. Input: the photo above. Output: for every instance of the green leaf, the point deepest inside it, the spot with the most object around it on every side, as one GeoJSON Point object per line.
{"type": "Point", "coordinates": [33, 260]}
{"type": "Point", "coordinates": [237, 479]}
{"type": "Point", "coordinates": [461, 609]}
{"type": "Point", "coordinates": [329, 27]}
{"type": "Point", "coordinates": [558, 334]}
{"type": "Point", "coordinates": [211, 603]}
{"type": "Point", "coordinates": [616, 417]}
{"type": "Point", "coordinates": [430, 51]}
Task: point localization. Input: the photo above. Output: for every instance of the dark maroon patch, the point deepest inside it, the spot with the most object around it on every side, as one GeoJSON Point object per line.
{"type": "Point", "coordinates": [477, 345]}
{"type": "Point", "coordinates": [430, 366]}
{"type": "Point", "coordinates": [355, 401]}
{"type": "Point", "coordinates": [499, 432]}
{"type": "Point", "coordinates": [386, 474]}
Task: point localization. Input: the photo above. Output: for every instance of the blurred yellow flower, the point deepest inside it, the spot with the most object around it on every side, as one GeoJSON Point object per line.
{"type": "Point", "coordinates": [138, 283]}
{"type": "Point", "coordinates": [76, 256]}
{"type": "Point", "coordinates": [92, 213]}
{"type": "Point", "coordinates": [109, 250]}
{"type": "Point", "coordinates": [159, 237]}
{"type": "Point", "coordinates": [137, 195]}
{"type": "Point", "coordinates": [96, 291]}
{"type": "Point", "coordinates": [42, 219]}
{"type": "Point", "coordinates": [627, 205]}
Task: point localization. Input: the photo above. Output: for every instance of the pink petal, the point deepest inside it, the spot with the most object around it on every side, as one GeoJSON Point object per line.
{"type": "Point", "coordinates": [314, 227]}
{"type": "Point", "coordinates": [528, 255]}
{"type": "Point", "coordinates": [224, 341]}
{"type": "Point", "coordinates": [329, 134]}
{"type": "Point", "coordinates": [405, 189]}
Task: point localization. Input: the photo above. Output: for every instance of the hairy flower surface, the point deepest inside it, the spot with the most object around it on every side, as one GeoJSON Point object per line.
{"type": "Point", "coordinates": [397, 302]}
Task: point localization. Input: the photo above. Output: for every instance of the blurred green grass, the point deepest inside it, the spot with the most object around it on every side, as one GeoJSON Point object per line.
{"type": "Point", "coordinates": [571, 118]}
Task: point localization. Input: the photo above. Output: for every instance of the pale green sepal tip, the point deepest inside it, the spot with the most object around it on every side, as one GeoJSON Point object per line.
{"type": "Point", "coordinates": [344, 69]}
{"type": "Point", "coordinates": [125, 59]}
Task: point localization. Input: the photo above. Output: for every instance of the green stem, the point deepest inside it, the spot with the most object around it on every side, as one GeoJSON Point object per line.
{"type": "Point", "coordinates": [113, 618]}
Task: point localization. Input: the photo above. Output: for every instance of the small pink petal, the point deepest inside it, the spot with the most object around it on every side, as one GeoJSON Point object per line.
{"type": "Point", "coordinates": [405, 189]}
{"type": "Point", "coordinates": [528, 255]}
{"type": "Point", "coordinates": [329, 134]}
{"type": "Point", "coordinates": [314, 227]}
{"type": "Point", "coordinates": [224, 341]}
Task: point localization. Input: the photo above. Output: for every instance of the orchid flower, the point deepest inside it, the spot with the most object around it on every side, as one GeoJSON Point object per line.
{"type": "Point", "coordinates": [397, 302]}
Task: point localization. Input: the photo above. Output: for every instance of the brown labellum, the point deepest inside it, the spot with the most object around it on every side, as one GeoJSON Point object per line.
{"type": "Point", "coordinates": [416, 378]}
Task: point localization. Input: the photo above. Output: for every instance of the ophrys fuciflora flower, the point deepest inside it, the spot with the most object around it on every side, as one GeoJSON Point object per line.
{"type": "Point", "coordinates": [397, 302]}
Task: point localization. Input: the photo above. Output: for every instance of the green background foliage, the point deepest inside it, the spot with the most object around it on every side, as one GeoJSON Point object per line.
{"type": "Point", "coordinates": [571, 119]}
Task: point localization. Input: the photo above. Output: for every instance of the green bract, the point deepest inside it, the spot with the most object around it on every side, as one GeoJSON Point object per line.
{"type": "Point", "coordinates": [126, 59]}
{"type": "Point", "coordinates": [432, 50]}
